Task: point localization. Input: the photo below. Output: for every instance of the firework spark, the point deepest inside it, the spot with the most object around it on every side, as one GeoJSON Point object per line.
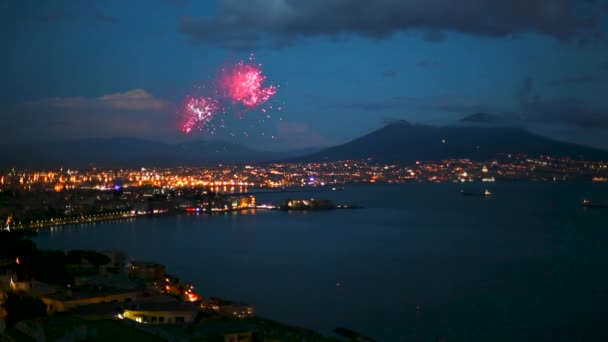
{"type": "Point", "coordinates": [198, 112]}
{"type": "Point", "coordinates": [237, 89]}
{"type": "Point", "coordinates": [243, 83]}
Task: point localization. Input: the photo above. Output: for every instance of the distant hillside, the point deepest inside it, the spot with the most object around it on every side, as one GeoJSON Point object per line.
{"type": "Point", "coordinates": [483, 118]}
{"type": "Point", "coordinates": [128, 152]}
{"type": "Point", "coordinates": [405, 143]}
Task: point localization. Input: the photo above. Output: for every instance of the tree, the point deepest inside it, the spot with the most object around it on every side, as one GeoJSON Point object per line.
{"type": "Point", "coordinates": [13, 244]}
{"type": "Point", "coordinates": [20, 307]}
{"type": "Point", "coordinates": [49, 267]}
{"type": "Point", "coordinates": [96, 259]}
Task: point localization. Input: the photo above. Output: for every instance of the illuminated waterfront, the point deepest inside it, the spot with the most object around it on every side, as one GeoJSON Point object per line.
{"type": "Point", "coordinates": [240, 178]}
{"type": "Point", "coordinates": [46, 198]}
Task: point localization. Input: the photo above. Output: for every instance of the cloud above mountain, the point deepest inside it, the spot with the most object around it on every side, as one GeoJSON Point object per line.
{"type": "Point", "coordinates": [131, 100]}
{"type": "Point", "coordinates": [134, 112]}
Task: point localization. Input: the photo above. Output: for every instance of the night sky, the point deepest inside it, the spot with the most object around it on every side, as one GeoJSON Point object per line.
{"type": "Point", "coordinates": [77, 69]}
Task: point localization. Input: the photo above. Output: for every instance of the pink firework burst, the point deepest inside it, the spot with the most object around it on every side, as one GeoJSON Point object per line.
{"type": "Point", "coordinates": [244, 83]}
{"type": "Point", "coordinates": [198, 112]}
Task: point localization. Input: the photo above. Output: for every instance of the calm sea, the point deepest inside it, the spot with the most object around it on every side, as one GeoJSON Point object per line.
{"type": "Point", "coordinates": [420, 262]}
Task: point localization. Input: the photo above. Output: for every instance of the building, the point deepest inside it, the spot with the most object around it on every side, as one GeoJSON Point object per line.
{"type": "Point", "coordinates": [248, 330]}
{"type": "Point", "coordinates": [32, 287]}
{"type": "Point", "coordinates": [99, 311]}
{"type": "Point", "coordinates": [308, 204]}
{"type": "Point", "coordinates": [67, 300]}
{"type": "Point", "coordinates": [117, 263]}
{"type": "Point", "coordinates": [241, 202]}
{"type": "Point", "coordinates": [75, 329]}
{"type": "Point", "coordinates": [119, 281]}
{"type": "Point", "coordinates": [228, 308]}
{"type": "Point", "coordinates": [243, 336]}
{"type": "Point", "coordinates": [225, 330]}
{"type": "Point", "coordinates": [152, 312]}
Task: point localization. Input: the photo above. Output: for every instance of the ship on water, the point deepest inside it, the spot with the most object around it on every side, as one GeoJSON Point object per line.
{"type": "Point", "coordinates": [588, 204]}
{"type": "Point", "coordinates": [485, 193]}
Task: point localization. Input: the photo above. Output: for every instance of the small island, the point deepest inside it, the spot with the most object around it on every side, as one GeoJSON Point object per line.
{"type": "Point", "coordinates": [314, 204]}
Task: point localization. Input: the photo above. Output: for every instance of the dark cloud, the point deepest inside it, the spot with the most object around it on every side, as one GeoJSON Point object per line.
{"type": "Point", "coordinates": [567, 112]}
{"type": "Point", "coordinates": [602, 4]}
{"type": "Point", "coordinates": [560, 111]}
{"type": "Point", "coordinates": [244, 24]}
{"type": "Point", "coordinates": [603, 66]}
{"type": "Point", "coordinates": [100, 16]}
{"type": "Point", "coordinates": [427, 64]}
{"type": "Point", "coordinates": [449, 103]}
{"type": "Point", "coordinates": [389, 73]}
{"type": "Point", "coordinates": [576, 80]}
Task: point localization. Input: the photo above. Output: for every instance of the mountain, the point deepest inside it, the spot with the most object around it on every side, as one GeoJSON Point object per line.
{"type": "Point", "coordinates": [483, 118]}
{"type": "Point", "coordinates": [129, 152]}
{"type": "Point", "coordinates": [403, 142]}
{"type": "Point", "coordinates": [398, 141]}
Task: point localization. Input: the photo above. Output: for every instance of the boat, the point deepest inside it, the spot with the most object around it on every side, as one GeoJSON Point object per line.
{"type": "Point", "coordinates": [588, 204]}
{"type": "Point", "coordinates": [486, 193]}
{"type": "Point", "coordinates": [349, 206]}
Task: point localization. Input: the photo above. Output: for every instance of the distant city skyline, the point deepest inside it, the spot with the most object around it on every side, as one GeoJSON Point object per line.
{"type": "Point", "coordinates": [112, 69]}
